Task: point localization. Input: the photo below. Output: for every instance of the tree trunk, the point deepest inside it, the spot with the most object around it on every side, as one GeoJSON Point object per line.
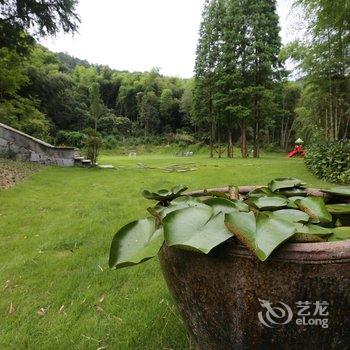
{"type": "Point", "coordinates": [229, 144]}
{"type": "Point", "coordinates": [256, 128]}
{"type": "Point", "coordinates": [244, 139]}
{"type": "Point", "coordinates": [346, 130]}
{"type": "Point", "coordinates": [256, 139]}
{"type": "Point", "coordinates": [282, 133]}
{"type": "Point", "coordinates": [212, 135]}
{"type": "Point", "coordinates": [219, 141]}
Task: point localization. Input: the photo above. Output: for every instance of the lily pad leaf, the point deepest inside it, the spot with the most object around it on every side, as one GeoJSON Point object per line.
{"type": "Point", "coordinates": [261, 192]}
{"type": "Point", "coordinates": [295, 198]}
{"type": "Point", "coordinates": [262, 235]}
{"type": "Point", "coordinates": [315, 207]}
{"type": "Point", "coordinates": [293, 192]}
{"type": "Point", "coordinates": [165, 195]}
{"type": "Point", "coordinates": [343, 191]}
{"type": "Point", "coordinates": [340, 234]}
{"type": "Point", "coordinates": [286, 182]}
{"type": "Point", "coordinates": [225, 205]}
{"type": "Point", "coordinates": [243, 226]}
{"type": "Point", "coordinates": [240, 205]}
{"type": "Point", "coordinates": [271, 233]}
{"type": "Point", "coordinates": [313, 229]}
{"type": "Point", "coordinates": [291, 215]}
{"type": "Point", "coordinates": [197, 229]}
{"type": "Point", "coordinates": [340, 209]}
{"type": "Point", "coordinates": [135, 243]}
{"type": "Point", "coordinates": [161, 212]}
{"type": "Point", "coordinates": [268, 203]}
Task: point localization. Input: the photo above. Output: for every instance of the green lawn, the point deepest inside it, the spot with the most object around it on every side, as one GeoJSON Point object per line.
{"type": "Point", "coordinates": [56, 228]}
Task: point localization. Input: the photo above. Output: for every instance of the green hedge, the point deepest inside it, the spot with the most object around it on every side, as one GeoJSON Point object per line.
{"type": "Point", "coordinates": [330, 161]}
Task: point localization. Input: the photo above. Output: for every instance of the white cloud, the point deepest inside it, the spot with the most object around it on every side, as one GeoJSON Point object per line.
{"type": "Point", "coordinates": [137, 35]}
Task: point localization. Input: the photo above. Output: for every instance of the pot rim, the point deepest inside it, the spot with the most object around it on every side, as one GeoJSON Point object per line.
{"type": "Point", "coordinates": [308, 253]}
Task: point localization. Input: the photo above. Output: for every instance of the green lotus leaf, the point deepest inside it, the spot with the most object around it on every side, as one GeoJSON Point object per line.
{"type": "Point", "coordinates": [291, 215]}
{"type": "Point", "coordinates": [196, 228]}
{"type": "Point", "coordinates": [313, 229]}
{"type": "Point", "coordinates": [315, 207]}
{"type": "Point", "coordinates": [186, 201]}
{"type": "Point", "coordinates": [343, 191]}
{"type": "Point", "coordinates": [161, 212]}
{"type": "Point", "coordinates": [295, 198]}
{"type": "Point", "coordinates": [286, 182]}
{"type": "Point", "coordinates": [165, 195]}
{"type": "Point", "coordinates": [240, 205]}
{"type": "Point", "coordinates": [225, 205]}
{"type": "Point", "coordinates": [293, 192]}
{"type": "Point", "coordinates": [340, 209]}
{"type": "Point", "coordinates": [271, 233]}
{"type": "Point", "coordinates": [243, 226]}
{"type": "Point", "coordinates": [135, 243]}
{"type": "Point", "coordinates": [319, 230]}
{"type": "Point", "coordinates": [261, 192]}
{"type": "Point", "coordinates": [268, 203]}
{"type": "Point", "coordinates": [340, 234]}
{"type": "Point", "coordinates": [261, 235]}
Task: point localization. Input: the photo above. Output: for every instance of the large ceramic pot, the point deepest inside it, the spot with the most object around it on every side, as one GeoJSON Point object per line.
{"type": "Point", "coordinates": [228, 299]}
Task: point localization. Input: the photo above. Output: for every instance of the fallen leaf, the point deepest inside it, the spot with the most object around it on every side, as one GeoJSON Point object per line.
{"type": "Point", "coordinates": [99, 309]}
{"type": "Point", "coordinates": [41, 312]}
{"type": "Point", "coordinates": [12, 310]}
{"type": "Point", "coordinates": [103, 297]}
{"type": "Point", "coordinates": [7, 283]}
{"type": "Point", "coordinates": [61, 310]}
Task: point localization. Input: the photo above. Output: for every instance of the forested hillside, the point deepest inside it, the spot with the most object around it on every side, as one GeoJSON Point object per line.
{"type": "Point", "coordinates": [241, 93]}
{"type": "Point", "coordinates": [50, 96]}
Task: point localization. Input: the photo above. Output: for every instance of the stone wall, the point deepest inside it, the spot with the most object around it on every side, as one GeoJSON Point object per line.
{"type": "Point", "coordinates": [28, 148]}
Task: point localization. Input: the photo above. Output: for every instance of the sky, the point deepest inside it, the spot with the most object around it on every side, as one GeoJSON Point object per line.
{"type": "Point", "coordinates": [136, 35]}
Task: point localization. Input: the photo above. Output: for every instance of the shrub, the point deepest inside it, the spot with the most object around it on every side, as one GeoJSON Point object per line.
{"type": "Point", "coordinates": [92, 145]}
{"type": "Point", "coordinates": [110, 142]}
{"type": "Point", "coordinates": [330, 161]}
{"type": "Point", "coordinates": [70, 138]}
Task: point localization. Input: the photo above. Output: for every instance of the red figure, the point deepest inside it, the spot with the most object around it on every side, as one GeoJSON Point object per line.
{"type": "Point", "coordinates": [298, 150]}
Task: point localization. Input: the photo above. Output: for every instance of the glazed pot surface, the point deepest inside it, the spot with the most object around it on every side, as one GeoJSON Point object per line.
{"type": "Point", "coordinates": [298, 299]}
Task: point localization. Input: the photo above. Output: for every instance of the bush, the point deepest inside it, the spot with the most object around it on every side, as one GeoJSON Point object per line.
{"type": "Point", "coordinates": [330, 161]}
{"type": "Point", "coordinates": [70, 138]}
{"type": "Point", "coordinates": [110, 142]}
{"type": "Point", "coordinates": [92, 144]}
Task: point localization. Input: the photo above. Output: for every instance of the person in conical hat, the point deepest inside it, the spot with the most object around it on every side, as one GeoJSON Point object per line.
{"type": "Point", "coordinates": [299, 141]}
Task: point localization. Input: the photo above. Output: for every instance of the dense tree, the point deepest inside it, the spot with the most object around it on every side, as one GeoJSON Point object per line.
{"type": "Point", "coordinates": [166, 104]}
{"type": "Point", "coordinates": [207, 58]}
{"type": "Point", "coordinates": [97, 109]}
{"type": "Point", "coordinates": [323, 58]}
{"type": "Point", "coordinates": [22, 21]}
{"type": "Point", "coordinates": [237, 67]}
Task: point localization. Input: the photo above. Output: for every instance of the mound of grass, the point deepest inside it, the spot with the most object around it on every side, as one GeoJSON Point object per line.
{"type": "Point", "coordinates": [12, 172]}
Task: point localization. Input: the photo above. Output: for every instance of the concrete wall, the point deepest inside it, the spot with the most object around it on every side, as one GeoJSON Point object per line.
{"type": "Point", "coordinates": [28, 148]}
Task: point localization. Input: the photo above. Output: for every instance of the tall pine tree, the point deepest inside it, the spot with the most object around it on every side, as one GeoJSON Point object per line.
{"type": "Point", "coordinates": [208, 57]}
